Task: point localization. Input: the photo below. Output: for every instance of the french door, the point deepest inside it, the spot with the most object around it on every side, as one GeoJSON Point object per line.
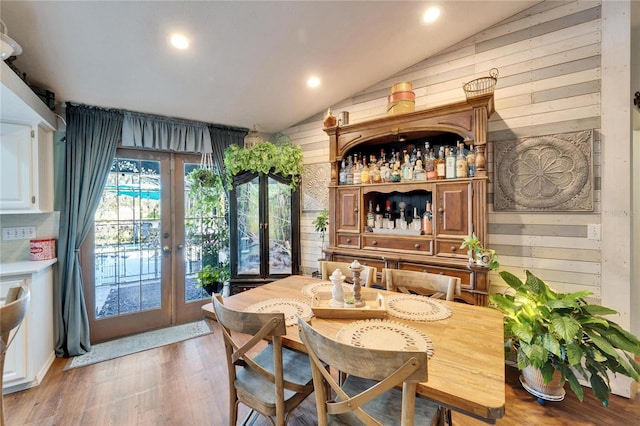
{"type": "Point", "coordinates": [139, 267]}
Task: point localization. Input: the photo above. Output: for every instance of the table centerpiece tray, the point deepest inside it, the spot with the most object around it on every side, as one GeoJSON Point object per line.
{"type": "Point", "coordinates": [374, 306]}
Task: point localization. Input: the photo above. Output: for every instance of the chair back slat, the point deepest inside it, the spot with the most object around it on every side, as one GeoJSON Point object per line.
{"type": "Point", "coordinates": [256, 368]}
{"type": "Point", "coordinates": [425, 283]}
{"type": "Point", "coordinates": [385, 369]}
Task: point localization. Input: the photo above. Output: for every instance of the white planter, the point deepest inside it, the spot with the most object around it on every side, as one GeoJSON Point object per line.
{"type": "Point", "coordinates": [533, 382]}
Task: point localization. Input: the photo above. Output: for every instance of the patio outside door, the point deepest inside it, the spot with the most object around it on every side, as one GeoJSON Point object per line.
{"type": "Point", "coordinates": [139, 269]}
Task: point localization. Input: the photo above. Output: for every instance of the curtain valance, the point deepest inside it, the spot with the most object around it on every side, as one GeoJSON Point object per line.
{"type": "Point", "coordinates": [167, 134]}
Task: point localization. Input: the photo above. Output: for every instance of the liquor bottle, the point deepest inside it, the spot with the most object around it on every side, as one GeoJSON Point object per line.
{"type": "Point", "coordinates": [440, 165]}
{"type": "Point", "coordinates": [426, 220]}
{"type": "Point", "coordinates": [378, 218]}
{"type": "Point", "coordinates": [407, 169]}
{"type": "Point", "coordinates": [416, 223]}
{"type": "Point", "coordinates": [349, 170]}
{"type": "Point", "coordinates": [342, 176]}
{"type": "Point", "coordinates": [387, 219]}
{"type": "Point", "coordinates": [364, 172]}
{"type": "Point", "coordinates": [356, 170]}
{"type": "Point", "coordinates": [371, 219]}
{"type": "Point", "coordinates": [374, 171]}
{"type": "Point", "coordinates": [418, 172]}
{"type": "Point", "coordinates": [471, 162]}
{"type": "Point", "coordinates": [395, 173]}
{"type": "Point", "coordinates": [450, 163]}
{"type": "Point", "coordinates": [461, 163]}
{"type": "Point", "coordinates": [430, 167]}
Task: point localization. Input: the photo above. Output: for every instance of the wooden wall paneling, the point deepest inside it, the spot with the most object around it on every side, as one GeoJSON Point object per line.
{"type": "Point", "coordinates": [548, 58]}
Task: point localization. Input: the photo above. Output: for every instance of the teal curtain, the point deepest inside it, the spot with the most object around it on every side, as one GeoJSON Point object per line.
{"type": "Point", "coordinates": [91, 141]}
{"type": "Point", "coordinates": [221, 138]}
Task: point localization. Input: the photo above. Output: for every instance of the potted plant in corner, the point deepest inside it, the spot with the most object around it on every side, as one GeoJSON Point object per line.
{"type": "Point", "coordinates": [478, 254]}
{"type": "Point", "coordinates": [212, 278]}
{"type": "Point", "coordinates": [561, 335]}
{"type": "Point", "coordinates": [321, 223]}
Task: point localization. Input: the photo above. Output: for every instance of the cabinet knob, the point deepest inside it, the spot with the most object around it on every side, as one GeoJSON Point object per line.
{"type": "Point", "coordinates": [417, 246]}
{"type": "Point", "coordinates": [348, 240]}
{"type": "Point", "coordinates": [440, 210]}
{"type": "Point", "coordinates": [374, 243]}
{"type": "Point", "coordinates": [454, 248]}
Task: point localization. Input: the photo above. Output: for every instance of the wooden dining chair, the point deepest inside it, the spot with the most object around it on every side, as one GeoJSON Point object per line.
{"type": "Point", "coordinates": [367, 276]}
{"type": "Point", "coordinates": [12, 313]}
{"type": "Point", "coordinates": [425, 283]}
{"type": "Point", "coordinates": [272, 382]}
{"type": "Point", "coordinates": [370, 395]}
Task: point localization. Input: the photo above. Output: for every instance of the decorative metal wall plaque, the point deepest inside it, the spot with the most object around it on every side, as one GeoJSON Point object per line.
{"type": "Point", "coordinates": [315, 186]}
{"type": "Point", "coordinates": [545, 173]}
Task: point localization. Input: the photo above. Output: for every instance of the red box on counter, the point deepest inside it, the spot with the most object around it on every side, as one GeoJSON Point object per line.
{"type": "Point", "coordinates": [43, 249]}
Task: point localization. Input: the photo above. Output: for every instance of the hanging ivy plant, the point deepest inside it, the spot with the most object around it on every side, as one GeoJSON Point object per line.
{"type": "Point", "coordinates": [264, 157]}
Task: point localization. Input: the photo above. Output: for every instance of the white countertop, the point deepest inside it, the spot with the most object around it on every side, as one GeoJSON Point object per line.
{"type": "Point", "coordinates": [25, 267]}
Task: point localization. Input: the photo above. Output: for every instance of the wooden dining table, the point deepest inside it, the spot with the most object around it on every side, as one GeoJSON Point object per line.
{"type": "Point", "coordinates": [466, 372]}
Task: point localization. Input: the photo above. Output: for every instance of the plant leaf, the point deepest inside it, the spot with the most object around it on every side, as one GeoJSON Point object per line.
{"type": "Point", "coordinates": [567, 327]}
{"type": "Point", "coordinates": [511, 280]}
{"type": "Point", "coordinates": [600, 389]}
{"type": "Point", "coordinates": [599, 310]}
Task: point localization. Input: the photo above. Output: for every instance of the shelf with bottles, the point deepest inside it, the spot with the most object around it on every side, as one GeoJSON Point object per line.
{"type": "Point", "coordinates": [399, 213]}
{"type": "Point", "coordinates": [439, 157]}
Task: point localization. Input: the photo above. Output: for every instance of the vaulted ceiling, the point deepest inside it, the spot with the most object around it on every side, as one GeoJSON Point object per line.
{"type": "Point", "coordinates": [248, 61]}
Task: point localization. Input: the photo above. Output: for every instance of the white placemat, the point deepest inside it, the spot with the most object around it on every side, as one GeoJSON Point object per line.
{"type": "Point", "coordinates": [416, 308]}
{"type": "Point", "coordinates": [384, 334]}
{"type": "Point", "coordinates": [290, 307]}
{"type": "Point", "coordinates": [311, 289]}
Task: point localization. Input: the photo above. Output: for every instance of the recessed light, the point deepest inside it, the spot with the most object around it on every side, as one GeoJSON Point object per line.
{"type": "Point", "coordinates": [179, 41]}
{"type": "Point", "coordinates": [313, 82]}
{"type": "Point", "coordinates": [431, 14]}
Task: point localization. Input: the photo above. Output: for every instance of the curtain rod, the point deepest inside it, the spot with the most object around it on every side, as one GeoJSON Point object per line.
{"type": "Point", "coordinates": [164, 118]}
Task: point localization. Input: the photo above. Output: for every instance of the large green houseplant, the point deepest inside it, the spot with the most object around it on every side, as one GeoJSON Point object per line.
{"type": "Point", "coordinates": [262, 158]}
{"type": "Point", "coordinates": [562, 332]}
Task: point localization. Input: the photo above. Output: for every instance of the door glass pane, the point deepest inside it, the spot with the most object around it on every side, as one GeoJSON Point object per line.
{"type": "Point", "coordinates": [206, 233]}
{"type": "Point", "coordinates": [248, 244]}
{"type": "Point", "coordinates": [279, 227]}
{"type": "Point", "coordinates": [127, 239]}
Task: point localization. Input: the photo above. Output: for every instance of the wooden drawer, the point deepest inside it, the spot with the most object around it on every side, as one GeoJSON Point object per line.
{"type": "Point", "coordinates": [408, 244]}
{"type": "Point", "coordinates": [348, 240]}
{"type": "Point", "coordinates": [450, 248]}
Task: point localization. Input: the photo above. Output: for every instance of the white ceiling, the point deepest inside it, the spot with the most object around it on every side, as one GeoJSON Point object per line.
{"type": "Point", "coordinates": [248, 62]}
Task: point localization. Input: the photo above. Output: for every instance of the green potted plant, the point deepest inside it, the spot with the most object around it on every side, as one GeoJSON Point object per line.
{"type": "Point", "coordinates": [207, 225]}
{"type": "Point", "coordinates": [321, 223]}
{"type": "Point", "coordinates": [284, 159]}
{"type": "Point", "coordinates": [212, 278]}
{"type": "Point", "coordinates": [561, 334]}
{"type": "Point", "coordinates": [478, 254]}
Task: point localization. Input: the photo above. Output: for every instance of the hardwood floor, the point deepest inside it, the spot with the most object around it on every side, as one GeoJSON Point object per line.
{"type": "Point", "coordinates": [185, 384]}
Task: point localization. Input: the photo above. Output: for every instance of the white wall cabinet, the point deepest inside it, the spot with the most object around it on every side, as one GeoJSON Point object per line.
{"type": "Point", "coordinates": [32, 352]}
{"type": "Point", "coordinates": [26, 148]}
{"type": "Point", "coordinates": [26, 165]}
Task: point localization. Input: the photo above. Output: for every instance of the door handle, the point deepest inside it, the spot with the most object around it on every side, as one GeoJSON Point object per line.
{"type": "Point", "coordinates": [166, 249]}
{"type": "Point", "coordinates": [180, 246]}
